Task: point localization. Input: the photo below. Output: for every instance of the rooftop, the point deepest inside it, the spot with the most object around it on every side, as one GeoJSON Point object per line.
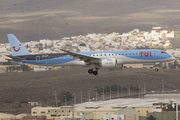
{"type": "Point", "coordinates": [131, 102]}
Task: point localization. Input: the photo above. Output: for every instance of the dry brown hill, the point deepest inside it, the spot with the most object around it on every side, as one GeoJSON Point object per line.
{"type": "Point", "coordinates": [54, 19]}
{"type": "Point", "coordinates": [35, 86]}
{"type": "Point", "coordinates": [41, 86]}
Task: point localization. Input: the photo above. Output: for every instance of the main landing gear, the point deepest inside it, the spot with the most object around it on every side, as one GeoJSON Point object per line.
{"type": "Point", "coordinates": [156, 69]}
{"type": "Point", "coordinates": [95, 72]}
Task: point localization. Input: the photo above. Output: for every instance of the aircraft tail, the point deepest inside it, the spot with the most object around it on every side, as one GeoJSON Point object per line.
{"type": "Point", "coordinates": [16, 47]}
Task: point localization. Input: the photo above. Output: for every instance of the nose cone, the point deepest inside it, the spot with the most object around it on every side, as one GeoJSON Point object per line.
{"type": "Point", "coordinates": [172, 58]}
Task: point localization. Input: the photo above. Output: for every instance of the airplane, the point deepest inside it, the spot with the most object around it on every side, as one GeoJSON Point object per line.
{"type": "Point", "coordinates": [112, 60]}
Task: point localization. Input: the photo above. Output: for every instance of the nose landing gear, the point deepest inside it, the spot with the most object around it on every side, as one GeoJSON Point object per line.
{"type": "Point", "coordinates": [156, 69]}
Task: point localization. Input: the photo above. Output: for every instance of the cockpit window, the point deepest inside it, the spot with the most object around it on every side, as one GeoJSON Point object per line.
{"type": "Point", "coordinates": [162, 52]}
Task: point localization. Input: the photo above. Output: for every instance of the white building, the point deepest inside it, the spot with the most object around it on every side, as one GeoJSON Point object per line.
{"type": "Point", "coordinates": [3, 57]}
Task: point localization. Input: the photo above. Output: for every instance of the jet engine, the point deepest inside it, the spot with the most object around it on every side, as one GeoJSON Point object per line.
{"type": "Point", "coordinates": [109, 63]}
{"type": "Point", "coordinates": [112, 63]}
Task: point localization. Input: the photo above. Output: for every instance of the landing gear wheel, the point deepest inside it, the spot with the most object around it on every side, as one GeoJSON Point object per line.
{"type": "Point", "coordinates": [90, 71]}
{"type": "Point", "coordinates": [156, 69]}
{"type": "Point", "coordinates": [95, 72]}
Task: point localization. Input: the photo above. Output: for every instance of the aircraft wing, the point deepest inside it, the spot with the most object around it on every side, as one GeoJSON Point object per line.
{"type": "Point", "coordinates": [85, 58]}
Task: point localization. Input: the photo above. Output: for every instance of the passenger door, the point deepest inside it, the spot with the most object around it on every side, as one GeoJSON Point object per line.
{"type": "Point", "coordinates": [37, 59]}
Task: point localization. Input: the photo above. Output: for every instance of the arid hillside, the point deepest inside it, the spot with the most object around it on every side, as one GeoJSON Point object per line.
{"type": "Point", "coordinates": [54, 19]}
{"type": "Point", "coordinates": [35, 86]}
{"type": "Point", "coordinates": [41, 86]}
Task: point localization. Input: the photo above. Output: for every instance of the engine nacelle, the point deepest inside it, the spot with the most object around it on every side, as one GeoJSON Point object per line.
{"type": "Point", "coordinates": [112, 64]}
{"type": "Point", "coordinates": [109, 63]}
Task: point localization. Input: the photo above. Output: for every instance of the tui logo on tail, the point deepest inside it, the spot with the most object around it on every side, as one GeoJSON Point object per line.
{"type": "Point", "coordinates": [17, 49]}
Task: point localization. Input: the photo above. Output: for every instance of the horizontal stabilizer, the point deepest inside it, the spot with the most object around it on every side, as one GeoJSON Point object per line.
{"type": "Point", "coordinates": [14, 57]}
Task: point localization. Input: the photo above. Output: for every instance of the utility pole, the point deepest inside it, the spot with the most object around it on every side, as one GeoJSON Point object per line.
{"type": "Point", "coordinates": [74, 98]}
{"type": "Point", "coordinates": [65, 100]}
{"type": "Point", "coordinates": [56, 98]}
{"type": "Point", "coordinates": [129, 89]}
{"type": "Point", "coordinates": [96, 94]}
{"type": "Point", "coordinates": [81, 97]}
{"type": "Point", "coordinates": [110, 91]}
{"type": "Point", "coordinates": [117, 90]}
{"type": "Point", "coordinates": [103, 93]}
{"type": "Point", "coordinates": [73, 109]}
{"type": "Point", "coordinates": [162, 85]}
{"type": "Point", "coordinates": [173, 106]}
{"type": "Point", "coordinates": [144, 87]}
{"type": "Point", "coordinates": [59, 96]}
{"type": "Point", "coordinates": [139, 92]}
{"type": "Point", "coordinates": [89, 95]}
{"type": "Point", "coordinates": [176, 110]}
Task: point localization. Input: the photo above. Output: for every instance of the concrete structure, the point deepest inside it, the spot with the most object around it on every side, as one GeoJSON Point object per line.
{"type": "Point", "coordinates": [38, 68]}
{"type": "Point", "coordinates": [143, 111]}
{"type": "Point", "coordinates": [9, 68]}
{"type": "Point", "coordinates": [33, 103]}
{"type": "Point", "coordinates": [163, 97]}
{"type": "Point", "coordinates": [125, 108]}
{"type": "Point", "coordinates": [93, 112]}
{"type": "Point", "coordinates": [35, 118]}
{"type": "Point", "coordinates": [113, 117]}
{"type": "Point", "coordinates": [4, 116]}
{"type": "Point", "coordinates": [3, 69]}
{"type": "Point", "coordinates": [129, 113]}
{"type": "Point", "coordinates": [131, 102]}
{"type": "Point", "coordinates": [54, 112]}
